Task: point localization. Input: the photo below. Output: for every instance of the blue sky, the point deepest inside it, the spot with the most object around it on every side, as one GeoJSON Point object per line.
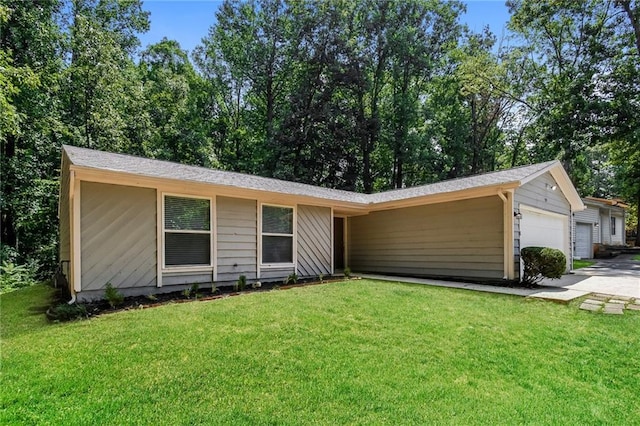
{"type": "Point", "coordinates": [188, 21]}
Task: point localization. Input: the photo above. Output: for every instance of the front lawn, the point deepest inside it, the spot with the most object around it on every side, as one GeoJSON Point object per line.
{"type": "Point", "coordinates": [578, 264]}
{"type": "Point", "coordinates": [358, 352]}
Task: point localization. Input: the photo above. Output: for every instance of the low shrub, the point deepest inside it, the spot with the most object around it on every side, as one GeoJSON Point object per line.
{"type": "Point", "coordinates": [242, 282]}
{"type": "Point", "coordinates": [542, 262]}
{"type": "Point", "coordinates": [14, 276]}
{"type": "Point", "coordinates": [291, 279]}
{"type": "Point", "coordinates": [67, 312]}
{"type": "Point", "coordinates": [347, 272]}
{"type": "Point", "coordinates": [113, 296]}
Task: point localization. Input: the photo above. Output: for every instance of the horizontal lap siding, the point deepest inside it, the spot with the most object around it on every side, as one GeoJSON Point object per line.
{"type": "Point", "coordinates": [538, 194]}
{"type": "Point", "coordinates": [590, 215]}
{"type": "Point", "coordinates": [461, 239]}
{"type": "Point", "coordinates": [237, 238]}
{"type": "Point", "coordinates": [118, 236]}
{"type": "Point", "coordinates": [314, 241]}
{"type": "Point", "coordinates": [275, 274]}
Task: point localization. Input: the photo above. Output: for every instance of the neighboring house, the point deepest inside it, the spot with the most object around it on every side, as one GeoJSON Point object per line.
{"type": "Point", "coordinates": [150, 226]}
{"type": "Point", "coordinates": [602, 222]}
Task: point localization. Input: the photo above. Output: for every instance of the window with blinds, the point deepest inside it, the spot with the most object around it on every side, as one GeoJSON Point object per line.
{"type": "Point", "coordinates": [277, 234]}
{"type": "Point", "coordinates": [187, 231]}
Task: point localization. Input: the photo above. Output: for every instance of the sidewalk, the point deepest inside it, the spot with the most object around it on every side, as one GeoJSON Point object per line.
{"type": "Point", "coordinates": [557, 294]}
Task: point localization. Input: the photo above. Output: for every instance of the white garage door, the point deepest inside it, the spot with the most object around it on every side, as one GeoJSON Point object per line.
{"type": "Point", "coordinates": [583, 240]}
{"type": "Point", "coordinates": [543, 229]}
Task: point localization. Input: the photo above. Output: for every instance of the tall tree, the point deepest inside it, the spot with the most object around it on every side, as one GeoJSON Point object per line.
{"type": "Point", "coordinates": [101, 76]}
{"type": "Point", "coordinates": [170, 89]}
{"type": "Point", "coordinates": [30, 52]}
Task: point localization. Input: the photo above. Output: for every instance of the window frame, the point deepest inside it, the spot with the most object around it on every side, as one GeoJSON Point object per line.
{"type": "Point", "coordinates": [210, 232]}
{"type": "Point", "coordinates": [613, 225]}
{"type": "Point", "coordinates": [294, 240]}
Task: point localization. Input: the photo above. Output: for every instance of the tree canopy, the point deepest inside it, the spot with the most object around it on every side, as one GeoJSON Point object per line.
{"type": "Point", "coordinates": [367, 96]}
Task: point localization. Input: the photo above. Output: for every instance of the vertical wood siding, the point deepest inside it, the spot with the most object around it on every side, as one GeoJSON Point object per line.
{"type": "Point", "coordinates": [456, 239]}
{"type": "Point", "coordinates": [237, 238]}
{"type": "Point", "coordinates": [118, 236]}
{"type": "Point", "coordinates": [314, 241]}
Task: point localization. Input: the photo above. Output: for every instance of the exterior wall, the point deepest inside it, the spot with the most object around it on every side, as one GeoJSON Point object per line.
{"type": "Point", "coordinates": [118, 236]}
{"type": "Point", "coordinates": [63, 218]}
{"type": "Point", "coordinates": [619, 237]}
{"type": "Point", "coordinates": [314, 241]}
{"type": "Point", "coordinates": [275, 274]}
{"type": "Point", "coordinates": [590, 215]}
{"type": "Point", "coordinates": [538, 194]}
{"type": "Point", "coordinates": [455, 239]}
{"type": "Point", "coordinates": [605, 228]}
{"type": "Point", "coordinates": [237, 240]}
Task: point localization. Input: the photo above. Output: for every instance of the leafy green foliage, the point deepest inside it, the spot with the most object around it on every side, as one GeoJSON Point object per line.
{"type": "Point", "coordinates": [113, 296]}
{"type": "Point", "coordinates": [67, 312]}
{"type": "Point", "coordinates": [291, 279]}
{"type": "Point", "coordinates": [242, 282]}
{"type": "Point", "coordinates": [542, 262]}
{"type": "Point", "coordinates": [14, 276]}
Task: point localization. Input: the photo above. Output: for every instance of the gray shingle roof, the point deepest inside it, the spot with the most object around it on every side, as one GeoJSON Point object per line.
{"type": "Point", "coordinates": [502, 177]}
{"type": "Point", "coordinates": [140, 166]}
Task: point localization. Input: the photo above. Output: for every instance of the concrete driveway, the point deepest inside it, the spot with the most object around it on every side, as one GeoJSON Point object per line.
{"type": "Point", "coordinates": [619, 276]}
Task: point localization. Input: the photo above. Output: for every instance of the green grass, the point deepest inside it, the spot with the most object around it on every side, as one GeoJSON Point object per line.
{"type": "Point", "coordinates": [577, 264]}
{"type": "Point", "coordinates": [359, 352]}
{"type": "Point", "coordinates": [636, 257]}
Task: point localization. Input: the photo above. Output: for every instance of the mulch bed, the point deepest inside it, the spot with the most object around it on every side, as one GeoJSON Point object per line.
{"type": "Point", "coordinates": [100, 307]}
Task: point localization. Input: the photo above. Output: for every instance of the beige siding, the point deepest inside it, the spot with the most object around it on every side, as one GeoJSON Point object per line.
{"type": "Point", "coordinates": [314, 241]}
{"type": "Point", "coordinates": [457, 239]}
{"type": "Point", "coordinates": [118, 236]}
{"type": "Point", "coordinates": [63, 215]}
{"type": "Point", "coordinates": [237, 238]}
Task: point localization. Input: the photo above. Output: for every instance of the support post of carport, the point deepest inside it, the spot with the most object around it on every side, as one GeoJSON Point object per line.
{"type": "Point", "coordinates": [507, 230]}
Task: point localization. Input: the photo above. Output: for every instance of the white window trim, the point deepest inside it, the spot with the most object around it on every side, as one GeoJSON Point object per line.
{"type": "Point", "coordinates": [294, 237]}
{"type": "Point", "coordinates": [211, 232]}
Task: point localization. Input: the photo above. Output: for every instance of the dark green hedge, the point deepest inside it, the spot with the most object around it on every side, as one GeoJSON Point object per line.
{"type": "Point", "coordinates": [542, 262]}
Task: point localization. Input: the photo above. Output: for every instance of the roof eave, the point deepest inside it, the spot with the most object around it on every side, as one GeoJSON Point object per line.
{"type": "Point", "coordinates": [120, 177]}
{"type": "Point", "coordinates": [442, 197]}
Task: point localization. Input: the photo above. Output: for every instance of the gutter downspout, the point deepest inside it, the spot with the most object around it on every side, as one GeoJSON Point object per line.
{"type": "Point", "coordinates": [508, 234]}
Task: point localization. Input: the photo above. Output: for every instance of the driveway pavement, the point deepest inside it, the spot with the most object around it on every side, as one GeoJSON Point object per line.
{"type": "Point", "coordinates": [619, 276]}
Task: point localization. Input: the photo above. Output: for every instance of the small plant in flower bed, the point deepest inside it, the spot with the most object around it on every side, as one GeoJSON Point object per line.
{"type": "Point", "coordinates": [67, 312]}
{"type": "Point", "coordinates": [291, 279]}
{"type": "Point", "coordinates": [113, 296]}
